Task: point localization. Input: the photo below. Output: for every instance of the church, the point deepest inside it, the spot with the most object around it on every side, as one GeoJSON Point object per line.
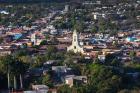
{"type": "Point", "coordinates": [75, 47]}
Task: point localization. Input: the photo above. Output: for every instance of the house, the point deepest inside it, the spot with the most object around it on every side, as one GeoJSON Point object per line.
{"type": "Point", "coordinates": [17, 36]}
{"type": "Point", "coordinates": [4, 12]}
{"type": "Point", "coordinates": [50, 62]}
{"type": "Point", "coordinates": [5, 52]}
{"type": "Point", "coordinates": [53, 90]}
{"type": "Point", "coordinates": [59, 73]}
{"type": "Point", "coordinates": [138, 53]}
{"type": "Point", "coordinates": [29, 91]}
{"type": "Point", "coordinates": [92, 53]}
{"type": "Point", "coordinates": [102, 57]}
{"type": "Point", "coordinates": [122, 34]}
{"type": "Point", "coordinates": [40, 88]}
{"type": "Point", "coordinates": [36, 72]}
{"type": "Point", "coordinates": [61, 47]}
{"type": "Point", "coordinates": [64, 40]}
{"type": "Point", "coordinates": [61, 69]}
{"type": "Point", "coordinates": [131, 39]}
{"type": "Point", "coordinates": [134, 75]}
{"type": "Point", "coordinates": [8, 38]}
{"type": "Point", "coordinates": [72, 80]}
{"type": "Point", "coordinates": [5, 46]}
{"type": "Point", "coordinates": [36, 38]}
{"type": "Point", "coordinates": [66, 9]}
{"type": "Point", "coordinates": [53, 31]}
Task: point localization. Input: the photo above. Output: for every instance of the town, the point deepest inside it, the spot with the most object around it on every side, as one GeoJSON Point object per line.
{"type": "Point", "coordinates": [81, 46]}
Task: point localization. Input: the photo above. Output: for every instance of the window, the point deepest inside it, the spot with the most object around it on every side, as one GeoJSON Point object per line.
{"type": "Point", "coordinates": [74, 38]}
{"type": "Point", "coordinates": [74, 47]}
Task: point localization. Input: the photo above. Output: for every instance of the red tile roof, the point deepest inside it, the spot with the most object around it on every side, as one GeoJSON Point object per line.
{"type": "Point", "coordinates": [17, 30]}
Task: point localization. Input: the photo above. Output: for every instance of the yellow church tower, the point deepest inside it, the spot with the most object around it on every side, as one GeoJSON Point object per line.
{"type": "Point", "coordinates": [75, 47]}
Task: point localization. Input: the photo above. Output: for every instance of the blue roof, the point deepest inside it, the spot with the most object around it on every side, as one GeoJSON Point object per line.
{"type": "Point", "coordinates": [17, 36]}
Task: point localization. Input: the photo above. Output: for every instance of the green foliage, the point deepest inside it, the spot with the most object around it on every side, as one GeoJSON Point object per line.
{"type": "Point", "coordinates": [24, 14]}
{"type": "Point", "coordinates": [25, 59]}
{"type": "Point", "coordinates": [111, 60]}
{"type": "Point", "coordinates": [79, 26]}
{"type": "Point", "coordinates": [132, 67]}
{"type": "Point", "coordinates": [47, 37]}
{"type": "Point", "coordinates": [46, 80]}
{"type": "Point", "coordinates": [64, 89]}
{"type": "Point", "coordinates": [76, 89]}
{"type": "Point", "coordinates": [38, 61]}
{"type": "Point", "coordinates": [44, 42]}
{"type": "Point", "coordinates": [94, 29]}
{"type": "Point", "coordinates": [103, 79]}
{"type": "Point", "coordinates": [13, 65]}
{"type": "Point", "coordinates": [129, 91]}
{"type": "Point", "coordinates": [36, 46]}
{"type": "Point", "coordinates": [102, 25]}
{"type": "Point", "coordinates": [21, 52]}
{"type": "Point", "coordinates": [51, 49]}
{"type": "Point", "coordinates": [51, 53]}
{"type": "Point", "coordinates": [132, 55]}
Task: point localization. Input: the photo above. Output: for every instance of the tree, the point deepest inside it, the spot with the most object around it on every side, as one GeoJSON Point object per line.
{"type": "Point", "coordinates": [129, 91]}
{"type": "Point", "coordinates": [51, 53]}
{"type": "Point", "coordinates": [109, 58]}
{"type": "Point", "coordinates": [44, 42]}
{"type": "Point", "coordinates": [21, 52]}
{"type": "Point", "coordinates": [12, 66]}
{"type": "Point", "coordinates": [64, 89]}
{"type": "Point", "coordinates": [132, 55]}
{"type": "Point", "coordinates": [94, 29]}
{"type": "Point", "coordinates": [124, 91]}
{"type": "Point", "coordinates": [25, 59]}
{"type": "Point", "coordinates": [103, 79]}
{"type": "Point", "coordinates": [47, 37]}
{"type": "Point", "coordinates": [79, 26]}
{"type": "Point", "coordinates": [102, 25]}
{"type": "Point", "coordinates": [115, 63]}
{"type": "Point", "coordinates": [38, 61]}
{"type": "Point", "coordinates": [47, 80]}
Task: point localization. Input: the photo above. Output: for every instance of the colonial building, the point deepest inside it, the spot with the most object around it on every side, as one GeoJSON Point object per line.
{"type": "Point", "coordinates": [75, 47]}
{"type": "Point", "coordinates": [36, 39]}
{"type": "Point", "coordinates": [33, 38]}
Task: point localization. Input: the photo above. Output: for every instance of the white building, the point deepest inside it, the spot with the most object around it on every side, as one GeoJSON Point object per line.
{"type": "Point", "coordinates": [4, 12]}
{"type": "Point", "coordinates": [75, 47]}
{"type": "Point", "coordinates": [33, 38]}
{"type": "Point", "coordinates": [71, 79]}
{"type": "Point", "coordinates": [102, 57]}
{"type": "Point", "coordinates": [40, 88]}
{"type": "Point", "coordinates": [66, 8]}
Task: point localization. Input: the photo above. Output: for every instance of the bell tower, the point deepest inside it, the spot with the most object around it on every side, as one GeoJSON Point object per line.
{"type": "Point", "coordinates": [75, 38]}
{"type": "Point", "coordinates": [33, 38]}
{"type": "Point", "coordinates": [75, 47]}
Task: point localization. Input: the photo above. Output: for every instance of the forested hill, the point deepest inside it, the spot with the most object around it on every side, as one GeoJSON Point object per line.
{"type": "Point", "coordinates": [31, 1]}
